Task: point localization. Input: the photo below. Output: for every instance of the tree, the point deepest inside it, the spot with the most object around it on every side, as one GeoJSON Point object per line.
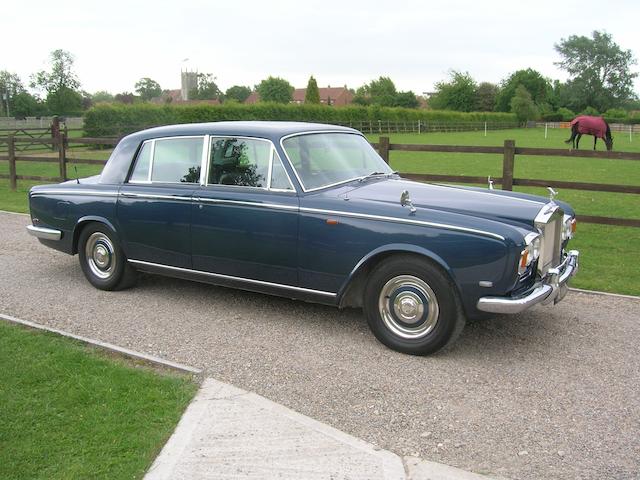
{"type": "Point", "coordinates": [459, 93]}
{"type": "Point", "coordinates": [147, 89]}
{"type": "Point", "coordinates": [600, 71]}
{"type": "Point", "coordinates": [406, 100]}
{"type": "Point", "coordinates": [275, 89]}
{"type": "Point", "coordinates": [11, 86]}
{"type": "Point", "coordinates": [60, 84]}
{"type": "Point", "coordinates": [538, 87]}
{"type": "Point", "coordinates": [486, 94]}
{"type": "Point", "coordinates": [125, 97]}
{"type": "Point", "coordinates": [26, 105]}
{"type": "Point", "coordinates": [312, 94]}
{"type": "Point", "coordinates": [378, 92]}
{"type": "Point", "coordinates": [522, 104]}
{"type": "Point", "coordinates": [206, 88]}
{"type": "Point", "coordinates": [238, 93]}
{"type": "Point", "coordinates": [64, 101]}
{"type": "Point", "coordinates": [102, 96]}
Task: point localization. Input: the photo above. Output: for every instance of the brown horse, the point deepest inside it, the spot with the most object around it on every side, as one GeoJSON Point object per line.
{"type": "Point", "coordinates": [586, 125]}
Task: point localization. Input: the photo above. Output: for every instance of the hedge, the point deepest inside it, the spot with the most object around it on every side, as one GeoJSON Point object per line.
{"type": "Point", "coordinates": [113, 119]}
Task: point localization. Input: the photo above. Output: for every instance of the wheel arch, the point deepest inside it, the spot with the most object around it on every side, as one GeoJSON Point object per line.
{"type": "Point", "coordinates": [83, 222]}
{"type": "Point", "coordinates": [352, 290]}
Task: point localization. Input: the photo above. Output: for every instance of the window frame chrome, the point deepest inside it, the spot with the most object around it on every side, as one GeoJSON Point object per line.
{"type": "Point", "coordinates": [153, 141]}
{"type": "Point", "coordinates": [316, 132]}
{"type": "Point", "coordinates": [273, 152]}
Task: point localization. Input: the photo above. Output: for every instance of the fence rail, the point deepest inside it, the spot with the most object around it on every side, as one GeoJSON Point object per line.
{"type": "Point", "coordinates": [509, 151]}
{"type": "Point", "coordinates": [419, 126]}
{"type": "Point", "coordinates": [60, 142]}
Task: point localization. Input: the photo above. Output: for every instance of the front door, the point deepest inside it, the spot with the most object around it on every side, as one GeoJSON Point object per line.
{"type": "Point", "coordinates": [245, 217]}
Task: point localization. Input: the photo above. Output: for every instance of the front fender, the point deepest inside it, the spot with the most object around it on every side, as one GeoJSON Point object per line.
{"type": "Point", "coordinates": [384, 250]}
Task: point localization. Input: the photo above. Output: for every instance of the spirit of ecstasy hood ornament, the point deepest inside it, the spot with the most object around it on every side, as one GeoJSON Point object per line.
{"type": "Point", "coordinates": [552, 194]}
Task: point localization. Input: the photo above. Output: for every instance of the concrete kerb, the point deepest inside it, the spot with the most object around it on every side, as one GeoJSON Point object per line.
{"type": "Point", "coordinates": [106, 346]}
{"type": "Point", "coordinates": [392, 465]}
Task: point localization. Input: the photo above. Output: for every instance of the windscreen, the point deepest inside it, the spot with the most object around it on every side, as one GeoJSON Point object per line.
{"type": "Point", "coordinates": [323, 159]}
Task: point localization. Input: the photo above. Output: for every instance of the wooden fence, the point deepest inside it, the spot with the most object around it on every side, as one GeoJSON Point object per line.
{"type": "Point", "coordinates": [509, 151]}
{"type": "Point", "coordinates": [57, 139]}
{"type": "Point", "coordinates": [60, 142]}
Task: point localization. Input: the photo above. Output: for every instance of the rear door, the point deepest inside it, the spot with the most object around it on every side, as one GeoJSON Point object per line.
{"type": "Point", "coordinates": [154, 205]}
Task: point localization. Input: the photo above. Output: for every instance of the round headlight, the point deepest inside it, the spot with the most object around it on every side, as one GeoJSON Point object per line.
{"type": "Point", "coordinates": [531, 251]}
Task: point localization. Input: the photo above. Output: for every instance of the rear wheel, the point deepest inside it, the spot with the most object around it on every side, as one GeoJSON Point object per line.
{"type": "Point", "coordinates": [102, 260]}
{"type": "Point", "coordinates": [412, 306]}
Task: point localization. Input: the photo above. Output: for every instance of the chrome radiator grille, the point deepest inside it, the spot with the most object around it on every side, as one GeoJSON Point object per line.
{"type": "Point", "coordinates": [549, 221]}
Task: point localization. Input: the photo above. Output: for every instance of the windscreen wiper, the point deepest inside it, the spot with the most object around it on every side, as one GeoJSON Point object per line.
{"type": "Point", "coordinates": [376, 174]}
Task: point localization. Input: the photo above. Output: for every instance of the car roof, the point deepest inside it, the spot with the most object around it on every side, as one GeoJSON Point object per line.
{"type": "Point", "coordinates": [271, 130]}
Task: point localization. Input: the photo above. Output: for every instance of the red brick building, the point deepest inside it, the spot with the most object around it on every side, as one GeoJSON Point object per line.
{"type": "Point", "coordinates": [338, 96]}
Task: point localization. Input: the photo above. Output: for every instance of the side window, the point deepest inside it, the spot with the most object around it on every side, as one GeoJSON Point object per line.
{"type": "Point", "coordinates": [239, 161]}
{"type": "Point", "coordinates": [279, 178]}
{"type": "Point", "coordinates": [177, 160]}
{"type": "Point", "coordinates": [141, 170]}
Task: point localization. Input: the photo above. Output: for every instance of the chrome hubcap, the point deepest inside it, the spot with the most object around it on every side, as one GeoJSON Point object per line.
{"type": "Point", "coordinates": [100, 255]}
{"type": "Point", "coordinates": [408, 307]}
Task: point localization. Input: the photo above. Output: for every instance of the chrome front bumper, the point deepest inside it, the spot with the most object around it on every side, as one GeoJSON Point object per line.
{"type": "Point", "coordinates": [552, 288]}
{"type": "Point", "coordinates": [44, 233]}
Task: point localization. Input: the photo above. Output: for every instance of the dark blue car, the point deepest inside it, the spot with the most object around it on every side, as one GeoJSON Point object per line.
{"type": "Point", "coordinates": [309, 212]}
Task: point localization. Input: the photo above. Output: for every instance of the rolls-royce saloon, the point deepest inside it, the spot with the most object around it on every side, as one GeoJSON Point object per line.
{"type": "Point", "coordinates": [310, 212]}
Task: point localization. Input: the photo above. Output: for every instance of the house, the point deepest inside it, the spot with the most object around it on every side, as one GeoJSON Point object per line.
{"type": "Point", "coordinates": [337, 96]}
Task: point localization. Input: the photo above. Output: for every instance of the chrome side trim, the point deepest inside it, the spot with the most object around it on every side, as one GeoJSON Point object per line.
{"type": "Point", "coordinates": [403, 220]}
{"type": "Point", "coordinates": [44, 233]}
{"type": "Point", "coordinates": [232, 278]}
{"type": "Point", "coordinates": [349, 214]}
{"type": "Point", "coordinates": [96, 193]}
{"type": "Point", "coordinates": [151, 196]}
{"type": "Point", "coordinates": [248, 204]}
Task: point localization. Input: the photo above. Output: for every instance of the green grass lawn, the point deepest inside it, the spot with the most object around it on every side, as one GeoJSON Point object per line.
{"type": "Point", "coordinates": [68, 411]}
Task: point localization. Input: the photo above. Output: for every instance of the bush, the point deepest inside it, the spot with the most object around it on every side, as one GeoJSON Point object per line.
{"type": "Point", "coordinates": [552, 117]}
{"type": "Point", "coordinates": [616, 115]}
{"type": "Point", "coordinates": [112, 119]}
{"type": "Point", "coordinates": [590, 111]}
{"type": "Point", "coordinates": [566, 114]}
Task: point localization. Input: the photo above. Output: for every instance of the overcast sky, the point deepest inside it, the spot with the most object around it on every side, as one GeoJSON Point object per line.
{"type": "Point", "coordinates": [416, 43]}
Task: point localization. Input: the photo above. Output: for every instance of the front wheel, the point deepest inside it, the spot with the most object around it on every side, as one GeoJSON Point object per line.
{"type": "Point", "coordinates": [412, 306]}
{"type": "Point", "coordinates": [102, 260]}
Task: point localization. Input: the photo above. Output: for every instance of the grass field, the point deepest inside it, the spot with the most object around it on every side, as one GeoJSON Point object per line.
{"type": "Point", "coordinates": [67, 411]}
{"type": "Point", "coordinates": [609, 254]}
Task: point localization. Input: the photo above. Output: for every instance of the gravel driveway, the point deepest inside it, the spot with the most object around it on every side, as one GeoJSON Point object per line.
{"type": "Point", "coordinates": [551, 393]}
